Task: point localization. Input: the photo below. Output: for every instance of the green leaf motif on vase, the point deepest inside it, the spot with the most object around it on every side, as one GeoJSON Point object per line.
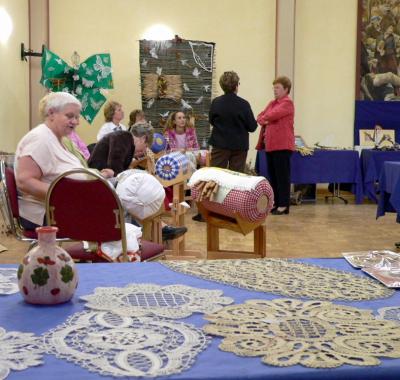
{"type": "Point", "coordinates": [20, 270]}
{"type": "Point", "coordinates": [40, 276]}
{"type": "Point", "coordinates": [67, 273]}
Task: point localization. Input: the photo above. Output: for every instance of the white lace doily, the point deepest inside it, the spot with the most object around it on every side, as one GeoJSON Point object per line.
{"type": "Point", "coordinates": [317, 334]}
{"type": "Point", "coordinates": [172, 301]}
{"type": "Point", "coordinates": [390, 313]}
{"type": "Point", "coordinates": [289, 278]}
{"type": "Point", "coordinates": [18, 351]}
{"type": "Point", "coordinates": [8, 281]}
{"type": "Point", "coordinates": [111, 344]}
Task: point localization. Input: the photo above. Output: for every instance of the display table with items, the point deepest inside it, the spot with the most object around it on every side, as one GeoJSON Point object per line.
{"type": "Point", "coordinates": [389, 189]}
{"type": "Point", "coordinates": [216, 319]}
{"type": "Point", "coordinates": [372, 161]}
{"type": "Point", "coordinates": [323, 166]}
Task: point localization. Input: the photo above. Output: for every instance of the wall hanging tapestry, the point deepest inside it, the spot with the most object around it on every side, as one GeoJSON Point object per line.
{"type": "Point", "coordinates": [172, 301]}
{"type": "Point", "coordinates": [314, 334]}
{"type": "Point", "coordinates": [176, 75]}
{"type": "Point", "coordinates": [377, 68]}
{"type": "Point", "coordinates": [83, 80]}
{"type": "Point", "coordinates": [285, 277]}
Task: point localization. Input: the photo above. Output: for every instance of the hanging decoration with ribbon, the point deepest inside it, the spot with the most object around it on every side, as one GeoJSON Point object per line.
{"type": "Point", "coordinates": [84, 80]}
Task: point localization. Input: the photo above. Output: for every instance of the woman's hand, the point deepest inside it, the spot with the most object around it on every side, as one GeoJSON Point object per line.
{"type": "Point", "coordinates": [107, 173]}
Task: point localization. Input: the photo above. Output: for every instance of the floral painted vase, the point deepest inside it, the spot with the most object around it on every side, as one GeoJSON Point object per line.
{"type": "Point", "coordinates": [47, 274]}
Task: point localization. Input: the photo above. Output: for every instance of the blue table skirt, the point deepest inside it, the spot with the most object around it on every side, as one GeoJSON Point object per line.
{"type": "Point", "coordinates": [15, 314]}
{"type": "Point", "coordinates": [389, 186]}
{"type": "Point", "coordinates": [324, 166]}
{"type": "Point", "coordinates": [371, 167]}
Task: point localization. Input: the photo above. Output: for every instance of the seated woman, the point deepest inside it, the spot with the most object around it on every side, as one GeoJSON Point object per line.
{"type": "Point", "coordinates": [136, 116]}
{"type": "Point", "coordinates": [41, 155]}
{"type": "Point", "coordinates": [117, 150]}
{"type": "Point", "coordinates": [113, 115]}
{"type": "Point", "coordinates": [180, 134]}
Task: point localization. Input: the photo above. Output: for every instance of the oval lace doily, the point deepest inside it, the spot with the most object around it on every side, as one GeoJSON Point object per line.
{"type": "Point", "coordinates": [315, 334]}
{"type": "Point", "coordinates": [18, 351]}
{"type": "Point", "coordinates": [286, 278]}
{"type": "Point", "coordinates": [111, 344]}
{"type": "Point", "coordinates": [172, 301]}
{"type": "Point", "coordinates": [8, 281]}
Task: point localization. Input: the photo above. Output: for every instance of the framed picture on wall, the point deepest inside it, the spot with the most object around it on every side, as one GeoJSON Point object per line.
{"type": "Point", "coordinates": [299, 142]}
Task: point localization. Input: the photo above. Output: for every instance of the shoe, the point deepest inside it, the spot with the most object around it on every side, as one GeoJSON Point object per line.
{"type": "Point", "coordinates": [170, 232]}
{"type": "Point", "coordinates": [198, 218]}
{"type": "Point", "coordinates": [277, 212]}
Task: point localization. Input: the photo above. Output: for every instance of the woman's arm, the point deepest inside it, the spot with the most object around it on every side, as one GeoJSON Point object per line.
{"type": "Point", "coordinates": [261, 118]}
{"type": "Point", "coordinates": [279, 111]}
{"type": "Point", "coordinates": [28, 178]}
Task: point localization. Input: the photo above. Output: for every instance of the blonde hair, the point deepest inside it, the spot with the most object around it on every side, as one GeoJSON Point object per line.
{"type": "Point", "coordinates": [109, 109]}
{"type": "Point", "coordinates": [56, 101]}
{"type": "Point", "coordinates": [170, 124]}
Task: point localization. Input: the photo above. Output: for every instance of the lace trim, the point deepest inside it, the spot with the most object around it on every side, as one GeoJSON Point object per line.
{"type": "Point", "coordinates": [286, 278]}
{"type": "Point", "coordinates": [114, 345]}
{"type": "Point", "coordinates": [390, 313]}
{"type": "Point", "coordinates": [8, 281]}
{"type": "Point", "coordinates": [314, 334]}
{"type": "Point", "coordinates": [172, 301]}
{"type": "Point", "coordinates": [18, 351]}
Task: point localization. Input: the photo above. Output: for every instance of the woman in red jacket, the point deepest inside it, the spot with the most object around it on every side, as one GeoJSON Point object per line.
{"type": "Point", "coordinates": [277, 139]}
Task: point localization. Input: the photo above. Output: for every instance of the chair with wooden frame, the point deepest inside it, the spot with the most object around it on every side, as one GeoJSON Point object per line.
{"type": "Point", "coordinates": [90, 210]}
{"type": "Point", "coordinates": [9, 206]}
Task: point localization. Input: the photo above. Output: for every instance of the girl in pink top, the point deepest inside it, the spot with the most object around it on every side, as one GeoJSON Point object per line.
{"type": "Point", "coordinates": [179, 133]}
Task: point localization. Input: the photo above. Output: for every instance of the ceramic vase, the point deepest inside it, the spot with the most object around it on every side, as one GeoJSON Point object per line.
{"type": "Point", "coordinates": [47, 274]}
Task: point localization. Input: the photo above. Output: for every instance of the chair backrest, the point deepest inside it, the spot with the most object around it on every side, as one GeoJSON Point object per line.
{"type": "Point", "coordinates": [85, 209]}
{"type": "Point", "coordinates": [9, 204]}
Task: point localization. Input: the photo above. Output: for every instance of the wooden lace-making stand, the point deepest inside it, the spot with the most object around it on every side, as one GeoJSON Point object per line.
{"type": "Point", "coordinates": [178, 211]}
{"type": "Point", "coordinates": [215, 222]}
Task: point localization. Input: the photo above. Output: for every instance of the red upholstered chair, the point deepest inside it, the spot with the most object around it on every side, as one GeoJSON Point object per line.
{"type": "Point", "coordinates": [90, 210]}
{"type": "Point", "coordinates": [9, 206]}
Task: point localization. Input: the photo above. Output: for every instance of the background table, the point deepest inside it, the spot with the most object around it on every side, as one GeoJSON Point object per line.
{"type": "Point", "coordinates": [16, 315]}
{"type": "Point", "coordinates": [371, 167]}
{"type": "Point", "coordinates": [389, 186]}
{"type": "Point", "coordinates": [324, 166]}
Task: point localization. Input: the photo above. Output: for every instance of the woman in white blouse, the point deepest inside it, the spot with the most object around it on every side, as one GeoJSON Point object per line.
{"type": "Point", "coordinates": [113, 114]}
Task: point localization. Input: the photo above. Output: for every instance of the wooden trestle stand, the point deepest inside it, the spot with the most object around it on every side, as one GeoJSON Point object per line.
{"type": "Point", "coordinates": [215, 222]}
{"type": "Point", "coordinates": [178, 212]}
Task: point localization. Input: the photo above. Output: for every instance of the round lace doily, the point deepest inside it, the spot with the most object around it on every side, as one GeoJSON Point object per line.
{"type": "Point", "coordinates": [286, 278]}
{"type": "Point", "coordinates": [315, 334]}
{"type": "Point", "coordinates": [172, 301]}
{"type": "Point", "coordinates": [8, 281]}
{"type": "Point", "coordinates": [111, 344]}
{"type": "Point", "coordinates": [390, 313]}
{"type": "Point", "coordinates": [18, 351]}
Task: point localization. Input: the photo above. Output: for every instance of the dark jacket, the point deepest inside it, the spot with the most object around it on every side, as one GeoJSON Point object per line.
{"type": "Point", "coordinates": [114, 151]}
{"type": "Point", "coordinates": [232, 120]}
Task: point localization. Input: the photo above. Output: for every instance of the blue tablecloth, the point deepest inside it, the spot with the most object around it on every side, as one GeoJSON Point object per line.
{"type": "Point", "coordinates": [324, 166]}
{"type": "Point", "coordinates": [371, 166]}
{"type": "Point", "coordinates": [389, 186]}
{"type": "Point", "coordinates": [16, 315]}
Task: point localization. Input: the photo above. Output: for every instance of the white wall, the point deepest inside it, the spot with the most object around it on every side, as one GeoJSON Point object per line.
{"type": "Point", "coordinates": [14, 89]}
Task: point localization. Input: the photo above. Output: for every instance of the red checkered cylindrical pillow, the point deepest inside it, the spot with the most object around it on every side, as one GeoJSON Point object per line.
{"type": "Point", "coordinates": [252, 205]}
